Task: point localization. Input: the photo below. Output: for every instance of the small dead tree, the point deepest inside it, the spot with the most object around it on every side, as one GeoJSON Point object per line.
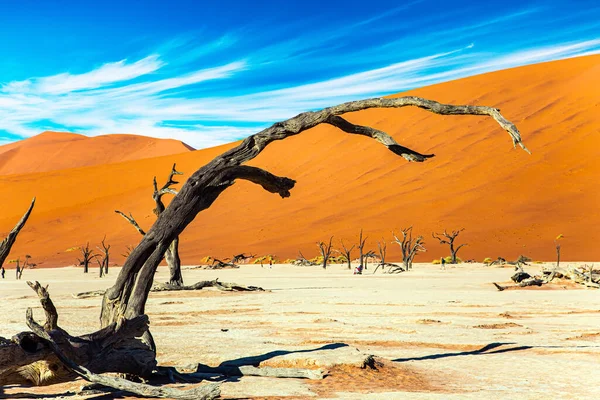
{"type": "Point", "coordinates": [382, 247]}
{"type": "Point", "coordinates": [10, 239]}
{"type": "Point", "coordinates": [409, 246]}
{"type": "Point", "coordinates": [105, 249]}
{"type": "Point", "coordinates": [347, 254]}
{"type": "Point", "coordinates": [301, 261]}
{"type": "Point", "coordinates": [87, 255]}
{"type": "Point", "coordinates": [239, 258]}
{"type": "Point", "coordinates": [557, 245]}
{"type": "Point", "coordinates": [448, 238]}
{"type": "Point", "coordinates": [124, 344]}
{"type": "Point", "coordinates": [325, 250]}
{"type": "Point", "coordinates": [367, 255]}
{"type": "Point", "coordinates": [361, 246]}
{"type": "Point", "coordinates": [172, 253]}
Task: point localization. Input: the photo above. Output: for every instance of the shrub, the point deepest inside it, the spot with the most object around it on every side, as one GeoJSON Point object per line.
{"type": "Point", "coordinates": [487, 260]}
{"type": "Point", "coordinates": [436, 261]}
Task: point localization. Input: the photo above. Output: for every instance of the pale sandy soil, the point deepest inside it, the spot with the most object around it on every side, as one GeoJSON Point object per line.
{"type": "Point", "coordinates": [446, 334]}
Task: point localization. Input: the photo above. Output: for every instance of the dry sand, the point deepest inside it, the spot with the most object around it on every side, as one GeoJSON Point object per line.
{"type": "Point", "coordinates": [50, 151]}
{"type": "Point", "coordinates": [509, 202]}
{"type": "Point", "coordinates": [445, 334]}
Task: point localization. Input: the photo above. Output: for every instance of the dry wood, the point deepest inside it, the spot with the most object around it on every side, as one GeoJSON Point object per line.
{"type": "Point", "coordinates": [87, 255]}
{"type": "Point", "coordinates": [325, 250]}
{"type": "Point", "coordinates": [448, 238]}
{"type": "Point", "coordinates": [409, 246]}
{"type": "Point", "coordinates": [225, 286]}
{"type": "Point", "coordinates": [8, 242]}
{"type": "Point", "coordinates": [347, 254]}
{"type": "Point", "coordinates": [210, 391]}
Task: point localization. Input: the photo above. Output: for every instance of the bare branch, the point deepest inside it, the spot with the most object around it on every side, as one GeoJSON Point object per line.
{"type": "Point", "coordinates": [8, 242]}
{"type": "Point", "coordinates": [132, 221]}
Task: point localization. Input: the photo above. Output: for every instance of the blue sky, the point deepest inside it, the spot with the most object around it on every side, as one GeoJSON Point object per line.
{"type": "Point", "coordinates": [211, 72]}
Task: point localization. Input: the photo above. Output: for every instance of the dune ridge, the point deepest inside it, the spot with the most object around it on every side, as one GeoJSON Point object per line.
{"type": "Point", "coordinates": [51, 151]}
{"type": "Point", "coordinates": [509, 202]}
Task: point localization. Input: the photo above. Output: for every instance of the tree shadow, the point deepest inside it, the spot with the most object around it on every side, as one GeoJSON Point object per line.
{"type": "Point", "coordinates": [215, 374]}
{"type": "Point", "coordinates": [487, 349]}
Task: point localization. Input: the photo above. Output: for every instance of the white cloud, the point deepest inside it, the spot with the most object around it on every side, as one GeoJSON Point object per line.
{"type": "Point", "coordinates": [107, 74]}
{"type": "Point", "coordinates": [142, 98]}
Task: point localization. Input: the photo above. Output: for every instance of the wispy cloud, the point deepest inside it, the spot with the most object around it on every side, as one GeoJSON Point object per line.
{"type": "Point", "coordinates": [218, 91]}
{"type": "Point", "coordinates": [107, 74]}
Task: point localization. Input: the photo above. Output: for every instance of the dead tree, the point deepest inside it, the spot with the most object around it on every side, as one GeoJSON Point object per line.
{"type": "Point", "coordinates": [448, 238]}
{"type": "Point", "coordinates": [409, 246]}
{"type": "Point", "coordinates": [8, 242]}
{"type": "Point", "coordinates": [347, 254]}
{"type": "Point", "coordinates": [361, 246]}
{"type": "Point", "coordinates": [382, 247]}
{"type": "Point", "coordinates": [366, 256]}
{"type": "Point", "coordinates": [105, 249]}
{"type": "Point", "coordinates": [124, 343]}
{"type": "Point", "coordinates": [557, 245]}
{"type": "Point", "coordinates": [325, 250]}
{"type": "Point", "coordinates": [238, 258]}
{"type": "Point", "coordinates": [172, 253]}
{"type": "Point", "coordinates": [302, 261]}
{"type": "Point", "coordinates": [87, 255]}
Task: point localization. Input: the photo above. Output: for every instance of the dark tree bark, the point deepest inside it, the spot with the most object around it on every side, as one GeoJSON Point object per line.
{"type": "Point", "coordinates": [172, 254]}
{"type": "Point", "coordinates": [361, 246]}
{"type": "Point", "coordinates": [347, 254]}
{"type": "Point", "coordinates": [117, 347]}
{"type": "Point", "coordinates": [409, 246]}
{"type": "Point", "coordinates": [8, 242]}
{"type": "Point", "coordinates": [87, 255]}
{"type": "Point", "coordinates": [325, 250]}
{"type": "Point", "coordinates": [448, 238]}
{"type": "Point", "coordinates": [103, 264]}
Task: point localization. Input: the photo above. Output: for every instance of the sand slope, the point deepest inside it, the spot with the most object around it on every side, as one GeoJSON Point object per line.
{"type": "Point", "coordinates": [510, 203]}
{"type": "Point", "coordinates": [50, 151]}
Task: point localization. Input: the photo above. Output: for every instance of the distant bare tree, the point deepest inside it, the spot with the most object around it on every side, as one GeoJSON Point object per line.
{"type": "Point", "coordinates": [347, 253]}
{"type": "Point", "coordinates": [325, 250]}
{"type": "Point", "coordinates": [128, 249]}
{"type": "Point", "coordinates": [241, 257]}
{"type": "Point", "coordinates": [367, 255]}
{"type": "Point", "coordinates": [557, 245]}
{"type": "Point", "coordinates": [105, 249]}
{"type": "Point", "coordinates": [361, 246]}
{"type": "Point", "coordinates": [409, 246]}
{"type": "Point", "coordinates": [448, 238]}
{"type": "Point", "coordinates": [302, 261]}
{"type": "Point", "coordinates": [87, 255]}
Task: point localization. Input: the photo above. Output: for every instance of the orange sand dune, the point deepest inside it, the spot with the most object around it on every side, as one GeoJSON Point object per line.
{"type": "Point", "coordinates": [509, 202]}
{"type": "Point", "coordinates": [50, 151]}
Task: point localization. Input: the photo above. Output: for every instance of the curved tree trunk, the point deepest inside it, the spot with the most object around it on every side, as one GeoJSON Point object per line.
{"type": "Point", "coordinates": [8, 242]}
{"type": "Point", "coordinates": [128, 295]}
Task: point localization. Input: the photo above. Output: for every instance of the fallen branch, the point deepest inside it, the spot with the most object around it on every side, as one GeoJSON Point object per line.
{"type": "Point", "coordinates": [225, 286]}
{"type": "Point", "coordinates": [248, 370]}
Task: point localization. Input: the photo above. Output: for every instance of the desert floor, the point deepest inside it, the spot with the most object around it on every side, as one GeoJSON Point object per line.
{"type": "Point", "coordinates": [441, 333]}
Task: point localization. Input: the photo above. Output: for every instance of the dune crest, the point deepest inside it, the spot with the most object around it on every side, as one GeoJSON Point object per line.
{"type": "Point", "coordinates": [51, 151]}
{"type": "Point", "coordinates": [509, 202]}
